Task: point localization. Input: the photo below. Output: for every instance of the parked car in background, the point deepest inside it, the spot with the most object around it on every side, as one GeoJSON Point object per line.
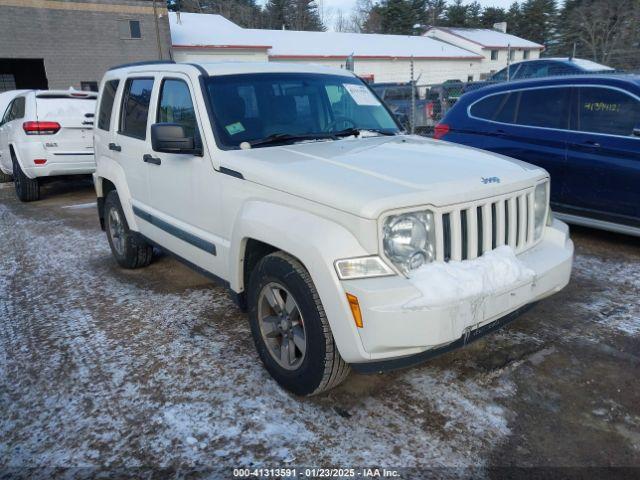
{"type": "Point", "coordinates": [46, 133]}
{"type": "Point", "coordinates": [584, 130]}
{"type": "Point", "coordinates": [398, 98]}
{"type": "Point", "coordinates": [295, 187]}
{"type": "Point", "coordinates": [6, 175]}
{"type": "Point", "coordinates": [543, 67]}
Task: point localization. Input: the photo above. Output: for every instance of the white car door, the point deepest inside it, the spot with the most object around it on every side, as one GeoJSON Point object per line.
{"type": "Point", "coordinates": [130, 135]}
{"type": "Point", "coordinates": [183, 188]}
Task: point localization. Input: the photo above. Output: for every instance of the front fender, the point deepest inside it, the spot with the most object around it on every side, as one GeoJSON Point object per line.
{"type": "Point", "coordinates": [317, 242]}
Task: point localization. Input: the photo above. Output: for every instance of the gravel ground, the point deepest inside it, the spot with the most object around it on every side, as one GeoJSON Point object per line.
{"type": "Point", "coordinates": [101, 367]}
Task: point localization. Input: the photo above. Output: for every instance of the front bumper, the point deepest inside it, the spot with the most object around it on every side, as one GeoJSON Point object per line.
{"type": "Point", "coordinates": [391, 330]}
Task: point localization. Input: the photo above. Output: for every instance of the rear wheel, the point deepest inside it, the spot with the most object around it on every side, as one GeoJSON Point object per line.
{"type": "Point", "coordinates": [27, 189]}
{"type": "Point", "coordinates": [128, 248]}
{"type": "Point", "coordinates": [290, 328]}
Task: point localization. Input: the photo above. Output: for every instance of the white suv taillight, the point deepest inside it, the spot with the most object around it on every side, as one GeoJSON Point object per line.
{"type": "Point", "coordinates": [40, 128]}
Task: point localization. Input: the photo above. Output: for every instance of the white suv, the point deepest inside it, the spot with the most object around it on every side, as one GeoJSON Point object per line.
{"type": "Point", "coordinates": [350, 243]}
{"type": "Point", "coordinates": [45, 133]}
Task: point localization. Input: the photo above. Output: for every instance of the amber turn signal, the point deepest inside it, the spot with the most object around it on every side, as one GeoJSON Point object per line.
{"type": "Point", "coordinates": [355, 309]}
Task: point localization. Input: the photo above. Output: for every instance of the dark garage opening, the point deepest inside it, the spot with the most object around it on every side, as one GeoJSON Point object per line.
{"type": "Point", "coordinates": [22, 73]}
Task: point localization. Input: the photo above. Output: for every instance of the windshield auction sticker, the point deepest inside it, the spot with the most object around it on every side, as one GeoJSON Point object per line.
{"type": "Point", "coordinates": [361, 95]}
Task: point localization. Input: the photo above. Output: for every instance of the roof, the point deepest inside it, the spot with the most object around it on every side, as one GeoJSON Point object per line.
{"type": "Point", "coordinates": [613, 79]}
{"type": "Point", "coordinates": [205, 31]}
{"type": "Point", "coordinates": [583, 64]}
{"type": "Point", "coordinates": [488, 38]}
{"type": "Point", "coordinates": [230, 68]}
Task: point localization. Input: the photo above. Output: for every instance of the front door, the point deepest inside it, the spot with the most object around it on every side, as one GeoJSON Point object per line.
{"type": "Point", "coordinates": [183, 187]}
{"type": "Point", "coordinates": [604, 155]}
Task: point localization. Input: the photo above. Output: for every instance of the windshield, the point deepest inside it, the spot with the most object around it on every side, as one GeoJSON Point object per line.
{"type": "Point", "coordinates": [254, 107]}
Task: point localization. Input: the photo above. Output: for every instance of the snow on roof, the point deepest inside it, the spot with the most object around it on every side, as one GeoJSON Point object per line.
{"type": "Point", "coordinates": [197, 30]}
{"type": "Point", "coordinates": [587, 65]}
{"type": "Point", "coordinates": [489, 38]}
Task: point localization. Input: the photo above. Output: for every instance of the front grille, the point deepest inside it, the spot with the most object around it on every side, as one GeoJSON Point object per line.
{"type": "Point", "coordinates": [467, 231]}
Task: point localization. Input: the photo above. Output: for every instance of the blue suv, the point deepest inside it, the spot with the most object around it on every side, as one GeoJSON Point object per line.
{"type": "Point", "coordinates": [584, 130]}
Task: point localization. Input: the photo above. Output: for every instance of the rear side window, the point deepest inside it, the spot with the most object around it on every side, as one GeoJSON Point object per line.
{"type": "Point", "coordinates": [135, 107]}
{"type": "Point", "coordinates": [544, 107]}
{"type": "Point", "coordinates": [499, 108]}
{"type": "Point", "coordinates": [608, 111]}
{"type": "Point", "coordinates": [175, 105]}
{"type": "Point", "coordinates": [16, 110]}
{"type": "Point", "coordinates": [106, 104]}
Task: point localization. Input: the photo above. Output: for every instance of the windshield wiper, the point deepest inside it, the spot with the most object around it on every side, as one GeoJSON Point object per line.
{"type": "Point", "coordinates": [288, 137]}
{"type": "Point", "coordinates": [348, 132]}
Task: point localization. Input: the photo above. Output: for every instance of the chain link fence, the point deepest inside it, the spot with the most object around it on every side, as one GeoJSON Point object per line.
{"type": "Point", "coordinates": [421, 107]}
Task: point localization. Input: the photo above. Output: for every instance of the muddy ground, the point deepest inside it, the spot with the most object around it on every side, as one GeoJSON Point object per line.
{"type": "Point", "coordinates": [156, 368]}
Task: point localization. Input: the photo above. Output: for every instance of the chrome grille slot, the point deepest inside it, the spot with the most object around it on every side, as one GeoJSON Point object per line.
{"type": "Point", "coordinates": [467, 231]}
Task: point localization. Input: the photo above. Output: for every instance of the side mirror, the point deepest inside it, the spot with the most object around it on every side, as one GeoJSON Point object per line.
{"type": "Point", "coordinates": [636, 131]}
{"type": "Point", "coordinates": [172, 138]}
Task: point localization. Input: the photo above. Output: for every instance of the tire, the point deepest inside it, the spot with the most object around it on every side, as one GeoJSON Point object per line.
{"type": "Point", "coordinates": [5, 178]}
{"type": "Point", "coordinates": [27, 189]}
{"type": "Point", "coordinates": [320, 367]}
{"type": "Point", "coordinates": [128, 248]}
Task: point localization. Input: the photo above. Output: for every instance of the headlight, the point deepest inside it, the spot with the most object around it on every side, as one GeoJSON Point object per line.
{"type": "Point", "coordinates": [362, 267]}
{"type": "Point", "coordinates": [540, 204]}
{"type": "Point", "coordinates": [409, 239]}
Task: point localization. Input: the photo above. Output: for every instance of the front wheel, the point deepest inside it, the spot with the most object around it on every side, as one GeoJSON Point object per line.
{"type": "Point", "coordinates": [290, 328]}
{"type": "Point", "coordinates": [27, 189]}
{"type": "Point", "coordinates": [129, 250]}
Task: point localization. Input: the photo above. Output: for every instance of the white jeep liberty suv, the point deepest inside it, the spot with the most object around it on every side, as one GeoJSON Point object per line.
{"type": "Point", "coordinates": [351, 244]}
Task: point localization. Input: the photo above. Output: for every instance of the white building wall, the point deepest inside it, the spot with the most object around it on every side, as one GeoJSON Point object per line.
{"type": "Point", "coordinates": [399, 70]}
{"type": "Point", "coordinates": [219, 55]}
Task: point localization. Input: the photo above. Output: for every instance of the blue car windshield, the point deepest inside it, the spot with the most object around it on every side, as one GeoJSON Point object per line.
{"type": "Point", "coordinates": [256, 107]}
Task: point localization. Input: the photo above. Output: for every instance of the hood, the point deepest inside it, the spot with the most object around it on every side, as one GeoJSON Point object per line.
{"type": "Point", "coordinates": [367, 176]}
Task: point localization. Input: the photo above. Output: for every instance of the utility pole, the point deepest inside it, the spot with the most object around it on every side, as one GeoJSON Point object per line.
{"type": "Point", "coordinates": [413, 98]}
{"type": "Point", "coordinates": [157, 25]}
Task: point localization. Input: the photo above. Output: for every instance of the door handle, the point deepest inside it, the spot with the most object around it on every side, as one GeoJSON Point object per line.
{"type": "Point", "coordinates": [591, 144]}
{"type": "Point", "coordinates": [500, 133]}
{"type": "Point", "coordinates": [114, 147]}
{"type": "Point", "coordinates": [151, 159]}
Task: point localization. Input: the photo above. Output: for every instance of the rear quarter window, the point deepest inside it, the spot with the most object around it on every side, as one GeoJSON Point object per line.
{"type": "Point", "coordinates": [499, 108]}
{"type": "Point", "coordinates": [106, 104]}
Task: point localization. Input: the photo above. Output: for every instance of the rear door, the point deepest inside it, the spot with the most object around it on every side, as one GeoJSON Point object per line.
{"type": "Point", "coordinates": [530, 125]}
{"type": "Point", "coordinates": [129, 144]}
{"type": "Point", "coordinates": [74, 113]}
{"type": "Point", "coordinates": [604, 155]}
{"type": "Point", "coordinates": [11, 126]}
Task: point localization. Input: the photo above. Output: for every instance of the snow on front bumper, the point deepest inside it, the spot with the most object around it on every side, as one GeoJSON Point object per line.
{"type": "Point", "coordinates": [400, 320]}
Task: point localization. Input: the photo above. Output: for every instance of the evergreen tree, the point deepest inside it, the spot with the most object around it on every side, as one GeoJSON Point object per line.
{"type": "Point", "coordinates": [539, 21]}
{"type": "Point", "coordinates": [491, 16]}
{"type": "Point", "coordinates": [306, 16]}
{"type": "Point", "coordinates": [514, 19]}
{"type": "Point", "coordinates": [457, 14]}
{"type": "Point", "coordinates": [474, 12]}
{"type": "Point", "coordinates": [277, 14]}
{"type": "Point", "coordinates": [435, 11]}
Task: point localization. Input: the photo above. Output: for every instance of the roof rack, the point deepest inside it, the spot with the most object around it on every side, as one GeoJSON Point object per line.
{"type": "Point", "coordinates": [140, 64]}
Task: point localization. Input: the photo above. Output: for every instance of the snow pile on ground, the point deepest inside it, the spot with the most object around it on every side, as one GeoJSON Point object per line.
{"type": "Point", "coordinates": [441, 283]}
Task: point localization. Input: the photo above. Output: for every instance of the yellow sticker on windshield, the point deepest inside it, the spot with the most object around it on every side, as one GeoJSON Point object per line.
{"type": "Point", "coordinates": [235, 128]}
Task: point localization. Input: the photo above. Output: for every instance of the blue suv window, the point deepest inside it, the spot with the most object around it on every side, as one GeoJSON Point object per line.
{"type": "Point", "coordinates": [544, 107]}
{"type": "Point", "coordinates": [608, 111]}
{"type": "Point", "coordinates": [499, 108]}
